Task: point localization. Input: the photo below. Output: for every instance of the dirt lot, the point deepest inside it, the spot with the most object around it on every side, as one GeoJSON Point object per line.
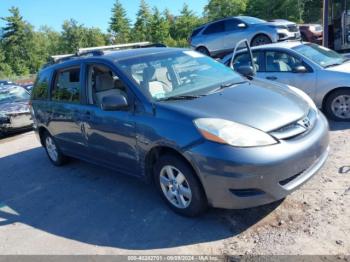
{"type": "Point", "coordinates": [84, 209]}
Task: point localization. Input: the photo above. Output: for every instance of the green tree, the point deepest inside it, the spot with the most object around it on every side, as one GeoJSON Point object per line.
{"type": "Point", "coordinates": [217, 9]}
{"type": "Point", "coordinates": [119, 24]}
{"type": "Point", "coordinates": [159, 27]}
{"type": "Point", "coordinates": [17, 33]}
{"type": "Point", "coordinates": [184, 24]}
{"type": "Point", "coordinates": [286, 9]}
{"type": "Point", "coordinates": [312, 12]}
{"type": "Point", "coordinates": [141, 31]}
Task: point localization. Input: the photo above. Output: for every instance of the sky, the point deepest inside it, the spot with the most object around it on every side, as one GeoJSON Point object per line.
{"type": "Point", "coordinates": [88, 12]}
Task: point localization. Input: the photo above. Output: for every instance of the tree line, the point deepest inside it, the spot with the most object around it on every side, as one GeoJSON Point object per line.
{"type": "Point", "coordinates": [24, 50]}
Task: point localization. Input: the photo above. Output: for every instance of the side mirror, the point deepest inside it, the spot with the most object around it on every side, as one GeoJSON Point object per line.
{"type": "Point", "coordinates": [247, 71]}
{"type": "Point", "coordinates": [114, 102]}
{"type": "Point", "coordinates": [299, 69]}
{"type": "Point", "coordinates": [242, 25]}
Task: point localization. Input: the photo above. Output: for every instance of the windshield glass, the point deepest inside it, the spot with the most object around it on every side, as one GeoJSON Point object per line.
{"type": "Point", "coordinates": [320, 55]}
{"type": "Point", "coordinates": [251, 20]}
{"type": "Point", "coordinates": [13, 94]}
{"type": "Point", "coordinates": [180, 73]}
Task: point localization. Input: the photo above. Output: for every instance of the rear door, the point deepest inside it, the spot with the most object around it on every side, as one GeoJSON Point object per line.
{"type": "Point", "coordinates": [65, 122]}
{"type": "Point", "coordinates": [279, 67]}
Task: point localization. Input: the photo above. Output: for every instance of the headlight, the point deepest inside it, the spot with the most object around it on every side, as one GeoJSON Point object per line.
{"type": "Point", "coordinates": [304, 96]}
{"type": "Point", "coordinates": [232, 133]}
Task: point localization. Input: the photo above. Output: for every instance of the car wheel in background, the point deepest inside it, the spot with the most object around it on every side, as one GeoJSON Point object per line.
{"type": "Point", "coordinates": [337, 105]}
{"type": "Point", "coordinates": [54, 153]}
{"type": "Point", "coordinates": [261, 40]}
{"type": "Point", "coordinates": [179, 186]}
{"type": "Point", "coordinates": [203, 50]}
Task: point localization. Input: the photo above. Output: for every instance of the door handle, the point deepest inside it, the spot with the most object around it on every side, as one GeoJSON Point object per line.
{"type": "Point", "coordinates": [271, 78]}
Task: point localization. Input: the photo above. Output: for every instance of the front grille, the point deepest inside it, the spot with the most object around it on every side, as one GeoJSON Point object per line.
{"type": "Point", "coordinates": [293, 28]}
{"type": "Point", "coordinates": [299, 127]}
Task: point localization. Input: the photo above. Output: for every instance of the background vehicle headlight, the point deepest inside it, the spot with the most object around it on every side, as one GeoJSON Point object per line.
{"type": "Point", "coordinates": [304, 96]}
{"type": "Point", "coordinates": [232, 133]}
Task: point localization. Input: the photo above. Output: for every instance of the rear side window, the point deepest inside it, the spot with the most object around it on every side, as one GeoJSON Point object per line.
{"type": "Point", "coordinates": [214, 28]}
{"type": "Point", "coordinates": [41, 86]}
{"type": "Point", "coordinates": [67, 85]}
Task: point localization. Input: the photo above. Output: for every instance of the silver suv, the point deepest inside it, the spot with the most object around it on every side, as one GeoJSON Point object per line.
{"type": "Point", "coordinates": [219, 37]}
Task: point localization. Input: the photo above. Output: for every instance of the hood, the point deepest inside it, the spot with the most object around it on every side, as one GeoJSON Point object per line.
{"type": "Point", "coordinates": [343, 68]}
{"type": "Point", "coordinates": [14, 108]}
{"type": "Point", "coordinates": [258, 104]}
{"type": "Point", "coordinates": [280, 23]}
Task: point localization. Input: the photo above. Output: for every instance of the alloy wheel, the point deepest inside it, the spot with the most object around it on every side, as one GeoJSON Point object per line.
{"type": "Point", "coordinates": [175, 187]}
{"type": "Point", "coordinates": [341, 106]}
{"type": "Point", "coordinates": [51, 148]}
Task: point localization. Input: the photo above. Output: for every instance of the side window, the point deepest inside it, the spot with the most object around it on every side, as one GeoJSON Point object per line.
{"type": "Point", "coordinates": [244, 60]}
{"type": "Point", "coordinates": [214, 28]}
{"type": "Point", "coordinates": [196, 31]}
{"type": "Point", "coordinates": [102, 82]}
{"type": "Point", "coordinates": [67, 85]}
{"type": "Point", "coordinates": [231, 25]}
{"type": "Point", "coordinates": [40, 90]}
{"type": "Point", "coordinates": [277, 61]}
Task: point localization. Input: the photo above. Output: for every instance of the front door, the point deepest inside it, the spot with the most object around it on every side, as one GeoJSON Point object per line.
{"type": "Point", "coordinates": [110, 135]}
{"type": "Point", "coordinates": [280, 68]}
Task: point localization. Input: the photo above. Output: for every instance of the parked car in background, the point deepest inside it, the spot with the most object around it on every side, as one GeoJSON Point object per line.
{"type": "Point", "coordinates": [220, 37]}
{"type": "Point", "coordinates": [14, 109]}
{"type": "Point", "coordinates": [320, 72]}
{"type": "Point", "coordinates": [5, 82]}
{"type": "Point", "coordinates": [200, 131]}
{"type": "Point", "coordinates": [312, 33]}
{"type": "Point", "coordinates": [28, 87]}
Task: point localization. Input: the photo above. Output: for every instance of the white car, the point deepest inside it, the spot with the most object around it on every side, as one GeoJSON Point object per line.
{"type": "Point", "coordinates": [320, 72]}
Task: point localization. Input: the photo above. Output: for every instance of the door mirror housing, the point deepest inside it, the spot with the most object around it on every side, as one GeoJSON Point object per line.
{"type": "Point", "coordinates": [246, 71]}
{"type": "Point", "coordinates": [300, 69]}
{"type": "Point", "coordinates": [114, 103]}
{"type": "Point", "coordinates": [241, 25]}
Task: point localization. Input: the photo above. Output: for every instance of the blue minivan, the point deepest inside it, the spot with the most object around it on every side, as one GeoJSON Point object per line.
{"type": "Point", "coordinates": [205, 135]}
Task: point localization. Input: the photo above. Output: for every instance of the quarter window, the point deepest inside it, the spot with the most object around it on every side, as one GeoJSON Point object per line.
{"type": "Point", "coordinates": [40, 91]}
{"type": "Point", "coordinates": [67, 86]}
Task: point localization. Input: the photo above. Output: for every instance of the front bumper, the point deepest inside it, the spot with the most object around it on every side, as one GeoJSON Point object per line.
{"type": "Point", "coordinates": [237, 178]}
{"type": "Point", "coordinates": [284, 34]}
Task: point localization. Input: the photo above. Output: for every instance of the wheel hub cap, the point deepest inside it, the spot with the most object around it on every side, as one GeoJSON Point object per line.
{"type": "Point", "coordinates": [341, 106]}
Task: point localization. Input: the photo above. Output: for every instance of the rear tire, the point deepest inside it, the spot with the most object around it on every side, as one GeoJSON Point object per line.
{"type": "Point", "coordinates": [53, 152]}
{"type": "Point", "coordinates": [337, 105]}
{"type": "Point", "coordinates": [261, 40]}
{"type": "Point", "coordinates": [203, 50]}
{"type": "Point", "coordinates": [179, 186]}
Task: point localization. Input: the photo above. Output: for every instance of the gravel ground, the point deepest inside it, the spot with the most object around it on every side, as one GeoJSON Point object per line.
{"type": "Point", "coordinates": [84, 209]}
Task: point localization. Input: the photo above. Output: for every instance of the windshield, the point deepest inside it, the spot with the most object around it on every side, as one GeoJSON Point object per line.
{"type": "Point", "coordinates": [13, 94]}
{"type": "Point", "coordinates": [320, 55]}
{"type": "Point", "coordinates": [181, 73]}
{"type": "Point", "coordinates": [251, 20]}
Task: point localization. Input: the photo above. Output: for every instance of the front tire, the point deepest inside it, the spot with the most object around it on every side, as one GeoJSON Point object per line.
{"type": "Point", "coordinates": [261, 40]}
{"type": "Point", "coordinates": [53, 152]}
{"type": "Point", "coordinates": [179, 186]}
{"type": "Point", "coordinates": [337, 105]}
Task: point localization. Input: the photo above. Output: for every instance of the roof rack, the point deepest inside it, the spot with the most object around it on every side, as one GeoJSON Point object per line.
{"type": "Point", "coordinates": [100, 50]}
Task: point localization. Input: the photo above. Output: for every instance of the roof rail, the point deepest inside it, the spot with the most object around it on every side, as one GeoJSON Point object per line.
{"type": "Point", "coordinates": [99, 50]}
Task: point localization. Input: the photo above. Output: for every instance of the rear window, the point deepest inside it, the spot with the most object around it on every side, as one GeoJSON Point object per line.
{"type": "Point", "coordinates": [196, 31]}
{"type": "Point", "coordinates": [67, 85]}
{"type": "Point", "coordinates": [40, 91]}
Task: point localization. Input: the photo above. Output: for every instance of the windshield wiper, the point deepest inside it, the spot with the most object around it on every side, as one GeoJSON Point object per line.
{"type": "Point", "coordinates": [225, 85]}
{"type": "Point", "coordinates": [180, 97]}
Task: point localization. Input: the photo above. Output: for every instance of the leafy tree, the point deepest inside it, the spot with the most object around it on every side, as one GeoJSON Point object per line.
{"type": "Point", "coordinates": [184, 24]}
{"type": "Point", "coordinates": [119, 24]}
{"type": "Point", "coordinates": [217, 9]}
{"type": "Point", "coordinates": [312, 12]}
{"type": "Point", "coordinates": [141, 30]}
{"type": "Point", "coordinates": [159, 27]}
{"type": "Point", "coordinates": [16, 35]}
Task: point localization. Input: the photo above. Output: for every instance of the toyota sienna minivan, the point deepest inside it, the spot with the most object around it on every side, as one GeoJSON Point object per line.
{"type": "Point", "coordinates": [205, 135]}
